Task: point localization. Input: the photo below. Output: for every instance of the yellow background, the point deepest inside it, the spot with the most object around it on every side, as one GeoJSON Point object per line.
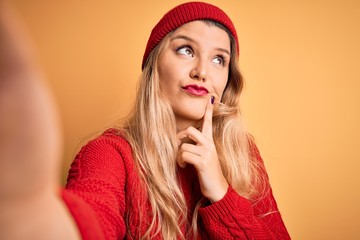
{"type": "Point", "coordinates": [301, 62]}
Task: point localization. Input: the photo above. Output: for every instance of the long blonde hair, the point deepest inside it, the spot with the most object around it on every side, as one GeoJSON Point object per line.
{"type": "Point", "coordinates": [151, 131]}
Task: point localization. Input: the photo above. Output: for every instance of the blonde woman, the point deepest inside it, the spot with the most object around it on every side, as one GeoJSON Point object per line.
{"type": "Point", "coordinates": [181, 166]}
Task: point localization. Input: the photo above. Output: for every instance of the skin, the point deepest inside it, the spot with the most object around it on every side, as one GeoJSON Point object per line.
{"type": "Point", "coordinates": [197, 53]}
{"type": "Point", "coordinates": [24, 188]}
{"type": "Point", "coordinates": [29, 144]}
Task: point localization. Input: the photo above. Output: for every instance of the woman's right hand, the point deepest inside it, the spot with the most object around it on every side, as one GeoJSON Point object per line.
{"type": "Point", "coordinates": [203, 156]}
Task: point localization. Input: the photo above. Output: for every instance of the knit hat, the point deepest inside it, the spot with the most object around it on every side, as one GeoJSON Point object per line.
{"type": "Point", "coordinates": [185, 13]}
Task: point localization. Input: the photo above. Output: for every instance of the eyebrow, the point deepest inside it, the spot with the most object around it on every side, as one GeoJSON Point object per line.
{"type": "Point", "coordinates": [193, 41]}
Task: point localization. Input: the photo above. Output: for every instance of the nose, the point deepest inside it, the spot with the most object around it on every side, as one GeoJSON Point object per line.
{"type": "Point", "coordinates": [199, 71]}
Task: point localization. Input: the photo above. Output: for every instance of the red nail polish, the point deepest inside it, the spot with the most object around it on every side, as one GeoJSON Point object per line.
{"type": "Point", "coordinates": [212, 99]}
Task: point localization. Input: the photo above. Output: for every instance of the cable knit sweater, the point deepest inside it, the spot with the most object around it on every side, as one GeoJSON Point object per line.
{"type": "Point", "coordinates": [103, 192]}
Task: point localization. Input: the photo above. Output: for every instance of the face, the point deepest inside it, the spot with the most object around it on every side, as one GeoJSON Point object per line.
{"type": "Point", "coordinates": [193, 67]}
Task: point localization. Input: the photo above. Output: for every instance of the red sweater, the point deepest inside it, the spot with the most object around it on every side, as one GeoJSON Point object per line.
{"type": "Point", "coordinates": [103, 191]}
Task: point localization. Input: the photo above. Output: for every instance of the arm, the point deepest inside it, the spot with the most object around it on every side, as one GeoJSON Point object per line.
{"type": "Point", "coordinates": [95, 192]}
{"type": "Point", "coordinates": [29, 145]}
{"type": "Point", "coordinates": [235, 217]}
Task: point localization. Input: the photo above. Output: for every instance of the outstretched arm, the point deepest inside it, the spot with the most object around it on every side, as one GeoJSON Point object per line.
{"type": "Point", "coordinates": [29, 144]}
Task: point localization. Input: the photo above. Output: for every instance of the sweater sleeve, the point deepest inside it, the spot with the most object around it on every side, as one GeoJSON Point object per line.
{"type": "Point", "coordinates": [235, 217]}
{"type": "Point", "coordinates": [95, 192]}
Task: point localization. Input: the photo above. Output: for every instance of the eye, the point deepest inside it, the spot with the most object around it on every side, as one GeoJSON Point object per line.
{"type": "Point", "coordinates": [185, 50]}
{"type": "Point", "coordinates": [219, 60]}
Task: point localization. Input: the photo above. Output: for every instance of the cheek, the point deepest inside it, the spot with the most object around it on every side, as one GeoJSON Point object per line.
{"type": "Point", "coordinates": [165, 89]}
{"type": "Point", "coordinates": [220, 86]}
{"type": "Point", "coordinates": [164, 79]}
{"type": "Point", "coordinates": [171, 79]}
{"type": "Point", "coordinates": [165, 71]}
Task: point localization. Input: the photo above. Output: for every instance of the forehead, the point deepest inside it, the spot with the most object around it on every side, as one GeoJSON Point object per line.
{"type": "Point", "coordinates": [204, 32]}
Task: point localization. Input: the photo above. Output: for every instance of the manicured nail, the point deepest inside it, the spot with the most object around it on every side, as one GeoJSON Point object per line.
{"type": "Point", "coordinates": [212, 99]}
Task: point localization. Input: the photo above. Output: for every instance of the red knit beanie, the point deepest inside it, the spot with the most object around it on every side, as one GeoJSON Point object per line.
{"type": "Point", "coordinates": [185, 13]}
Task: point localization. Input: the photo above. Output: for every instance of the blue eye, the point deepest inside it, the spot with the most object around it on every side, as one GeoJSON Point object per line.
{"type": "Point", "coordinates": [185, 51]}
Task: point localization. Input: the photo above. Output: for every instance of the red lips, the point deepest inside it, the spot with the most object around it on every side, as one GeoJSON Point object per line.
{"type": "Point", "coordinates": [196, 90]}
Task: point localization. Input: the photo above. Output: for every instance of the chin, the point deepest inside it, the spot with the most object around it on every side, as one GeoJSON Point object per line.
{"type": "Point", "coordinates": [189, 111]}
{"type": "Point", "coordinates": [191, 118]}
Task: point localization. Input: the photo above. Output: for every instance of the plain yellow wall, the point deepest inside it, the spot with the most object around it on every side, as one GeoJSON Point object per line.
{"type": "Point", "coordinates": [301, 61]}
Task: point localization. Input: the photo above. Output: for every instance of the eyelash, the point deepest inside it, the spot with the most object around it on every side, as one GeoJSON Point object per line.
{"type": "Point", "coordinates": [187, 47]}
{"type": "Point", "coordinates": [222, 58]}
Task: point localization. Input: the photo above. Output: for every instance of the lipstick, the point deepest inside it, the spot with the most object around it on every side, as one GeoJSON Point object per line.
{"type": "Point", "coordinates": [196, 90]}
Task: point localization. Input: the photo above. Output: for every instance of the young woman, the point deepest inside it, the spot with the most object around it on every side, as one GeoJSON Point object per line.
{"type": "Point", "coordinates": [181, 166]}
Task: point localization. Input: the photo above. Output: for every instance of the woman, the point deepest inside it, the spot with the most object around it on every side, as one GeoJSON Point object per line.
{"type": "Point", "coordinates": [181, 166]}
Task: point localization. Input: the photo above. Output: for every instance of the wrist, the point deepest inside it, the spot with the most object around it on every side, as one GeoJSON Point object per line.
{"type": "Point", "coordinates": [220, 193]}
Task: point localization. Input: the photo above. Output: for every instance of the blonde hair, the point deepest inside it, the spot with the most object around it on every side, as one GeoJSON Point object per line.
{"type": "Point", "coordinates": [151, 131]}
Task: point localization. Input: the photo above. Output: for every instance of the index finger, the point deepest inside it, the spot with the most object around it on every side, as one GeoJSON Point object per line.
{"type": "Point", "coordinates": [207, 120]}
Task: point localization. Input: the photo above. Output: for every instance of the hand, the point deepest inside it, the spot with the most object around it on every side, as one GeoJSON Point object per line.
{"type": "Point", "coordinates": [29, 133]}
{"type": "Point", "coordinates": [29, 144]}
{"type": "Point", "coordinates": [203, 156]}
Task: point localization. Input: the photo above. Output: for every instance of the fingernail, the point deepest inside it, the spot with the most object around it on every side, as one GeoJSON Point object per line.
{"type": "Point", "coordinates": [212, 99]}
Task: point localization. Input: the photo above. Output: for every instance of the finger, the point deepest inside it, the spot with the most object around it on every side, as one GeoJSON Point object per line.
{"type": "Point", "coordinates": [191, 148]}
{"type": "Point", "coordinates": [181, 135]}
{"type": "Point", "coordinates": [16, 54]}
{"type": "Point", "coordinates": [181, 162]}
{"type": "Point", "coordinates": [190, 158]}
{"type": "Point", "coordinates": [191, 134]}
{"type": "Point", "coordinates": [207, 120]}
{"type": "Point", "coordinates": [185, 147]}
